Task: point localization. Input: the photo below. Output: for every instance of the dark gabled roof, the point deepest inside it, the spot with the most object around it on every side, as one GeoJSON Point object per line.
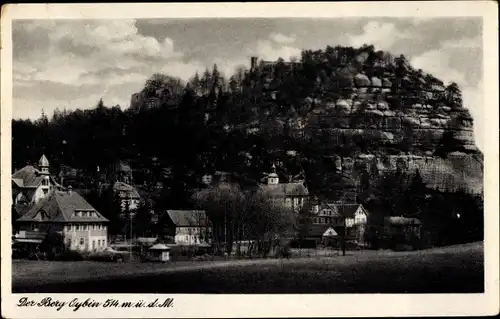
{"type": "Point", "coordinates": [316, 230]}
{"type": "Point", "coordinates": [27, 177]}
{"type": "Point", "coordinates": [60, 206]}
{"type": "Point", "coordinates": [346, 210]}
{"type": "Point", "coordinates": [125, 190]}
{"type": "Point", "coordinates": [284, 189]}
{"type": "Point", "coordinates": [184, 218]}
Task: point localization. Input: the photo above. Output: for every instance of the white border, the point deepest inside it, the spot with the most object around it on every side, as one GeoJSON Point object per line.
{"type": "Point", "coordinates": [274, 305]}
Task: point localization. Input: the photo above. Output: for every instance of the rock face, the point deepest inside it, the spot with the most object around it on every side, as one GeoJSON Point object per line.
{"type": "Point", "coordinates": [437, 139]}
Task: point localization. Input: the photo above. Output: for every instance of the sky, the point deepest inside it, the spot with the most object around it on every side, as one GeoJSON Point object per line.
{"type": "Point", "coordinates": [69, 64]}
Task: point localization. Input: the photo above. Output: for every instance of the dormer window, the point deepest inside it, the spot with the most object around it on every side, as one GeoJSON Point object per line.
{"type": "Point", "coordinates": [42, 215]}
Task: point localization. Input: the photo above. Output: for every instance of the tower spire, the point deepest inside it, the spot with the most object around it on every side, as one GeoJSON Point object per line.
{"type": "Point", "coordinates": [43, 163]}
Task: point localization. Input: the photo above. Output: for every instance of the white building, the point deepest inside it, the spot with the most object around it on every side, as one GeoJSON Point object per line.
{"type": "Point", "coordinates": [66, 212]}
{"type": "Point", "coordinates": [292, 195]}
{"type": "Point", "coordinates": [190, 227]}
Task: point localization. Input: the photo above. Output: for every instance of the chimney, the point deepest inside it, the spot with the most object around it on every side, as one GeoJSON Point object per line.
{"type": "Point", "coordinates": [253, 63]}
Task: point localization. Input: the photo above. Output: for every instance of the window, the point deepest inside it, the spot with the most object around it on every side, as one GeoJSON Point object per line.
{"type": "Point", "coordinates": [84, 227]}
{"type": "Point", "coordinates": [82, 241]}
{"type": "Point", "coordinates": [33, 227]}
{"type": "Point", "coordinates": [84, 214]}
{"type": "Point", "coordinates": [99, 243]}
{"type": "Point", "coordinates": [187, 238]}
{"type": "Point", "coordinates": [45, 191]}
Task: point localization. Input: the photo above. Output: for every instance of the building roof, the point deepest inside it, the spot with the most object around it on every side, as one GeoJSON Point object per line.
{"type": "Point", "coordinates": [28, 177]}
{"type": "Point", "coordinates": [159, 247]}
{"type": "Point", "coordinates": [330, 232]}
{"type": "Point", "coordinates": [400, 220]}
{"type": "Point", "coordinates": [43, 162]}
{"type": "Point", "coordinates": [320, 230]}
{"type": "Point", "coordinates": [347, 210]}
{"type": "Point", "coordinates": [183, 218]}
{"type": "Point", "coordinates": [285, 189]}
{"type": "Point", "coordinates": [60, 206]}
{"type": "Point", "coordinates": [126, 190]}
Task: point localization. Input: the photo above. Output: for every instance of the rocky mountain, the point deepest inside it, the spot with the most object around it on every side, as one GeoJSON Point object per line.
{"type": "Point", "coordinates": [377, 111]}
{"type": "Point", "coordinates": [333, 113]}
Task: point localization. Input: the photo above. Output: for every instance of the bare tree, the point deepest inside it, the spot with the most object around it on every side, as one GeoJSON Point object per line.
{"type": "Point", "coordinates": [224, 204]}
{"type": "Point", "coordinates": [253, 216]}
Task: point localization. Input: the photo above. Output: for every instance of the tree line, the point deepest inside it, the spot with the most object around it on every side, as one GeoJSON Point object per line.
{"type": "Point", "coordinates": [200, 126]}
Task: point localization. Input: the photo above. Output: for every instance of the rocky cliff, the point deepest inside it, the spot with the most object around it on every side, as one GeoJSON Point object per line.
{"type": "Point", "coordinates": [435, 138]}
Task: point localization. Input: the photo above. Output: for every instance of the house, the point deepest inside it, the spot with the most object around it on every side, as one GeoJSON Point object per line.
{"type": "Point", "coordinates": [189, 227]}
{"type": "Point", "coordinates": [128, 195]}
{"type": "Point", "coordinates": [345, 219]}
{"type": "Point", "coordinates": [31, 184]}
{"type": "Point", "coordinates": [68, 213]}
{"type": "Point", "coordinates": [291, 195]}
{"type": "Point", "coordinates": [400, 230]}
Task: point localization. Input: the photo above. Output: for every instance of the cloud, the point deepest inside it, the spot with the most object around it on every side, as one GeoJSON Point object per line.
{"type": "Point", "coordinates": [437, 63]}
{"type": "Point", "coordinates": [380, 34]}
{"type": "Point", "coordinates": [62, 62]}
{"type": "Point", "coordinates": [276, 46]}
{"type": "Point", "coordinates": [281, 38]}
{"type": "Point", "coordinates": [464, 43]}
{"type": "Point", "coordinates": [473, 99]}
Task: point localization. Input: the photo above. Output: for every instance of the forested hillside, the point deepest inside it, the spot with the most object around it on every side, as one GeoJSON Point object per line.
{"type": "Point", "coordinates": [333, 117]}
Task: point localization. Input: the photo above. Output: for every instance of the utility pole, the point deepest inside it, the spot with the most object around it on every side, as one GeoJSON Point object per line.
{"type": "Point", "coordinates": [225, 227]}
{"type": "Point", "coordinates": [344, 230]}
{"type": "Point", "coordinates": [130, 220]}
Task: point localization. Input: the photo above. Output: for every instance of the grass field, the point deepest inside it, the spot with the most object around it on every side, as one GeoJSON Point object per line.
{"type": "Point", "coordinates": [456, 269]}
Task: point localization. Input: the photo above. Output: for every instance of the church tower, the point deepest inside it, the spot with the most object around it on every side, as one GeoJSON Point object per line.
{"type": "Point", "coordinates": [43, 164]}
